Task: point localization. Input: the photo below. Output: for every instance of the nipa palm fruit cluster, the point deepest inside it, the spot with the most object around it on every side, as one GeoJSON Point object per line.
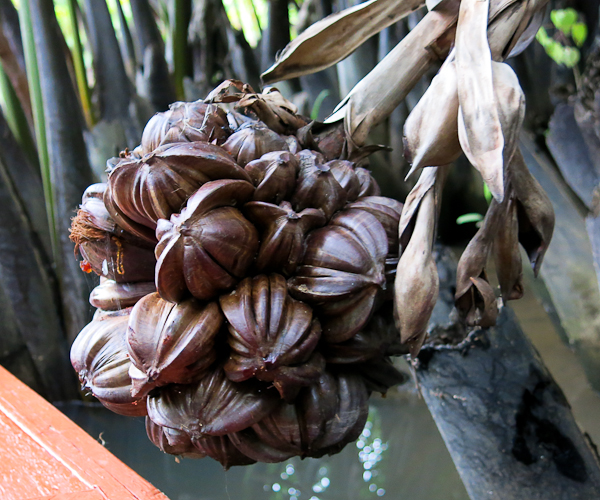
{"type": "Point", "coordinates": [242, 269]}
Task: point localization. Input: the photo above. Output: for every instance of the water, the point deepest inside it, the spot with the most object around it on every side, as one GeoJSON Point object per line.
{"type": "Point", "coordinates": [400, 454]}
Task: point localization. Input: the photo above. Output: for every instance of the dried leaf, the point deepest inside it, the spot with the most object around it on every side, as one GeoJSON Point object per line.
{"type": "Point", "coordinates": [319, 47]}
{"type": "Point", "coordinates": [381, 91]}
{"type": "Point", "coordinates": [507, 254]}
{"type": "Point", "coordinates": [431, 129]}
{"type": "Point", "coordinates": [534, 211]}
{"type": "Point", "coordinates": [417, 281]}
{"type": "Point", "coordinates": [479, 129]}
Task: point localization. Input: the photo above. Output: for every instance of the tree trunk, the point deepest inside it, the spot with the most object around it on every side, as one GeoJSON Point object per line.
{"type": "Point", "coordinates": [505, 421]}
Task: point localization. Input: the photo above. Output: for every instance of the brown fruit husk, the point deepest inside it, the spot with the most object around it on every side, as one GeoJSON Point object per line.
{"type": "Point", "coordinates": [254, 139]}
{"type": "Point", "coordinates": [343, 271]}
{"type": "Point", "coordinates": [159, 184]}
{"type": "Point", "coordinates": [99, 356]}
{"type": "Point", "coordinates": [112, 296]}
{"type": "Point", "coordinates": [271, 335]}
{"type": "Point", "coordinates": [210, 246]}
{"type": "Point", "coordinates": [170, 343]}
{"type": "Point", "coordinates": [185, 122]}
{"type": "Point", "coordinates": [213, 406]}
{"type": "Point", "coordinates": [282, 234]}
{"type": "Point", "coordinates": [274, 176]}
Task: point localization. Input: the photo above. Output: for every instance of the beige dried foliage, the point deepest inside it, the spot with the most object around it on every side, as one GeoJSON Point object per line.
{"type": "Point", "coordinates": [431, 129]}
{"type": "Point", "coordinates": [417, 281]}
{"type": "Point", "coordinates": [383, 89]}
{"type": "Point", "coordinates": [479, 129]}
{"type": "Point", "coordinates": [319, 47]}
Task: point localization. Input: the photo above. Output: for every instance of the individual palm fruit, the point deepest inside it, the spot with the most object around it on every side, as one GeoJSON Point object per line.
{"type": "Point", "coordinates": [112, 296]}
{"type": "Point", "coordinates": [105, 248]}
{"type": "Point", "coordinates": [99, 356]}
{"type": "Point", "coordinates": [343, 271]}
{"type": "Point", "coordinates": [185, 122]}
{"type": "Point", "coordinates": [272, 336]}
{"type": "Point", "coordinates": [388, 212]}
{"type": "Point", "coordinates": [317, 186]}
{"type": "Point", "coordinates": [212, 406]}
{"type": "Point", "coordinates": [344, 173]}
{"type": "Point", "coordinates": [210, 246]}
{"type": "Point", "coordinates": [252, 140]}
{"type": "Point", "coordinates": [326, 416]}
{"type": "Point", "coordinates": [378, 338]}
{"type": "Point", "coordinates": [283, 234]}
{"type": "Point", "coordinates": [274, 176]}
{"type": "Point", "coordinates": [172, 441]}
{"type": "Point", "coordinates": [158, 185]}
{"type": "Point", "coordinates": [170, 343]}
{"type": "Point", "coordinates": [368, 185]}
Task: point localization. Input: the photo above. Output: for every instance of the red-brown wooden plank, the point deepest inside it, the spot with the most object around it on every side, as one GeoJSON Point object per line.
{"type": "Point", "coordinates": [47, 456]}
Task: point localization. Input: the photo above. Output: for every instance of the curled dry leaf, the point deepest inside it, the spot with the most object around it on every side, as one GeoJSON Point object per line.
{"type": "Point", "coordinates": [170, 343]}
{"type": "Point", "coordinates": [343, 271]}
{"type": "Point", "coordinates": [431, 129]}
{"type": "Point", "coordinates": [473, 297]}
{"type": "Point", "coordinates": [210, 246]}
{"type": "Point", "coordinates": [283, 233]}
{"type": "Point", "coordinates": [507, 255]}
{"type": "Point", "coordinates": [426, 181]}
{"type": "Point", "coordinates": [270, 106]}
{"type": "Point", "coordinates": [112, 296]}
{"type": "Point", "coordinates": [99, 356]}
{"type": "Point", "coordinates": [319, 47]}
{"type": "Point", "coordinates": [213, 406]}
{"type": "Point", "coordinates": [185, 122]}
{"type": "Point", "coordinates": [383, 89]}
{"type": "Point", "coordinates": [511, 107]}
{"type": "Point", "coordinates": [479, 129]}
{"type": "Point", "coordinates": [272, 336]}
{"type": "Point", "coordinates": [159, 184]}
{"type": "Point", "coordinates": [417, 281]}
{"type": "Point", "coordinates": [534, 212]}
{"type": "Point", "coordinates": [478, 306]}
{"type": "Point", "coordinates": [252, 140]}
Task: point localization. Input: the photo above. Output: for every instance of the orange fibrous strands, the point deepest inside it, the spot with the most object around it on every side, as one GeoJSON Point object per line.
{"type": "Point", "coordinates": [83, 229]}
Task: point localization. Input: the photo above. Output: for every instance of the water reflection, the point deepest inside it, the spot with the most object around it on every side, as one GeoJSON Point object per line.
{"type": "Point", "coordinates": [399, 454]}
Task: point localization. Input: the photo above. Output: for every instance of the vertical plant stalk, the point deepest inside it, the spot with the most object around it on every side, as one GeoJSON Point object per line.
{"type": "Point", "coordinates": [68, 165]}
{"type": "Point", "coordinates": [80, 73]}
{"type": "Point", "coordinates": [127, 48]}
{"type": "Point", "coordinates": [35, 91]}
{"type": "Point", "coordinates": [181, 54]}
{"type": "Point", "coordinates": [277, 34]}
{"type": "Point", "coordinates": [16, 117]}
